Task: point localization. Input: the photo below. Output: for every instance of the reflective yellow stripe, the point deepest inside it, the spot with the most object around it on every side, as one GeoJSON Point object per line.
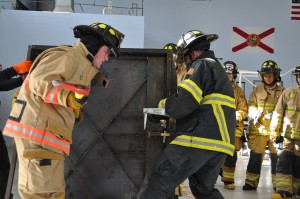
{"type": "Point", "coordinates": [292, 110]}
{"type": "Point", "coordinates": [204, 143]}
{"type": "Point", "coordinates": [252, 176]}
{"type": "Point", "coordinates": [228, 175]}
{"type": "Point", "coordinates": [162, 103]}
{"type": "Point", "coordinates": [268, 105]}
{"type": "Point", "coordinates": [292, 133]}
{"type": "Point", "coordinates": [192, 88]}
{"type": "Point", "coordinates": [283, 182]}
{"type": "Point", "coordinates": [219, 114]}
{"type": "Point", "coordinates": [216, 98]}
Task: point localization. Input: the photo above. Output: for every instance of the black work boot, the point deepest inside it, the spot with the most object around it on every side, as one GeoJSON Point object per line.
{"type": "Point", "coordinates": [248, 187]}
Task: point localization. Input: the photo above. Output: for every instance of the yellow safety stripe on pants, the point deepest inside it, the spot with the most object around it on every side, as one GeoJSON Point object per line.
{"type": "Point", "coordinates": [228, 175]}
{"type": "Point", "coordinates": [283, 182]}
{"type": "Point", "coordinates": [252, 176]}
{"type": "Point", "coordinates": [192, 88]}
{"type": "Point", "coordinates": [204, 143]}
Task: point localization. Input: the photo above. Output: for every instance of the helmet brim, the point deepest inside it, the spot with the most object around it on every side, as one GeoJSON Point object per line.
{"type": "Point", "coordinates": [84, 29]}
{"type": "Point", "coordinates": [209, 38]}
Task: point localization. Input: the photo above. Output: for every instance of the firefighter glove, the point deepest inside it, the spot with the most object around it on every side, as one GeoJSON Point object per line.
{"type": "Point", "coordinates": [23, 67]}
{"type": "Point", "coordinates": [162, 103]}
{"type": "Point", "coordinates": [239, 117]}
{"type": "Point", "coordinates": [76, 101]}
{"type": "Point", "coordinates": [78, 115]}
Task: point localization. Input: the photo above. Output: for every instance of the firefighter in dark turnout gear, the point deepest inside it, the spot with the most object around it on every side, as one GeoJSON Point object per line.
{"type": "Point", "coordinates": [262, 102]}
{"type": "Point", "coordinates": [286, 122]}
{"type": "Point", "coordinates": [228, 168]}
{"type": "Point", "coordinates": [204, 109]}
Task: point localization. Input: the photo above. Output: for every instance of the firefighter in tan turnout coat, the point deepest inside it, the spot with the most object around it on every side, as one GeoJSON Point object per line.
{"type": "Point", "coordinates": [50, 100]}
{"type": "Point", "coordinates": [228, 168]}
{"type": "Point", "coordinates": [286, 122]}
{"type": "Point", "coordinates": [262, 102]}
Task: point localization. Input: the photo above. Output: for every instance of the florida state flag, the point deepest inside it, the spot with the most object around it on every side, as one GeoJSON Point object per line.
{"type": "Point", "coordinates": [256, 40]}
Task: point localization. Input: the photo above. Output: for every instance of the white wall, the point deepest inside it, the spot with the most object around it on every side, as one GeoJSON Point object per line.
{"type": "Point", "coordinates": [18, 29]}
{"type": "Point", "coordinates": [166, 20]}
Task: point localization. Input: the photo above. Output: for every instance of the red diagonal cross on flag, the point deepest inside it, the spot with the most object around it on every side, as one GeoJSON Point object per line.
{"type": "Point", "coordinates": [253, 39]}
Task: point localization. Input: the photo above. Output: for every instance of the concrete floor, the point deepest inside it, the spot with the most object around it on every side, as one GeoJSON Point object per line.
{"type": "Point", "coordinates": [263, 192]}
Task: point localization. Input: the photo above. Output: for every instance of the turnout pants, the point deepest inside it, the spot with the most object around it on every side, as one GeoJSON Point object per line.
{"type": "Point", "coordinates": [228, 168]}
{"type": "Point", "coordinates": [41, 172]}
{"type": "Point", "coordinates": [257, 144]}
{"type": "Point", "coordinates": [288, 167]}
{"type": "Point", "coordinates": [176, 164]}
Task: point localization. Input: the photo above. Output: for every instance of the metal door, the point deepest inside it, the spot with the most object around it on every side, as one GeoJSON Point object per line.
{"type": "Point", "coordinates": [111, 152]}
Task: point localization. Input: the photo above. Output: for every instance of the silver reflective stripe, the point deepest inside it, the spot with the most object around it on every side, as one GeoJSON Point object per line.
{"type": "Point", "coordinates": [52, 95]}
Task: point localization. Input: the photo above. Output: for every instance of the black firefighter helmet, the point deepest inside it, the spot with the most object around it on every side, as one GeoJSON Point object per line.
{"type": "Point", "coordinates": [110, 36]}
{"type": "Point", "coordinates": [270, 66]}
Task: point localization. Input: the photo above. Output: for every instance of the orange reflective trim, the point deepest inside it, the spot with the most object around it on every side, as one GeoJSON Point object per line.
{"type": "Point", "coordinates": [82, 90]}
{"type": "Point", "coordinates": [52, 96]}
{"type": "Point", "coordinates": [37, 135]}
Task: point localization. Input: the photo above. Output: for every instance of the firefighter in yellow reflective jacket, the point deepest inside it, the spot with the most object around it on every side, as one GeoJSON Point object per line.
{"type": "Point", "coordinates": [286, 122]}
{"type": "Point", "coordinates": [262, 102]}
{"type": "Point", "coordinates": [204, 109]}
{"type": "Point", "coordinates": [49, 102]}
{"type": "Point", "coordinates": [228, 168]}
